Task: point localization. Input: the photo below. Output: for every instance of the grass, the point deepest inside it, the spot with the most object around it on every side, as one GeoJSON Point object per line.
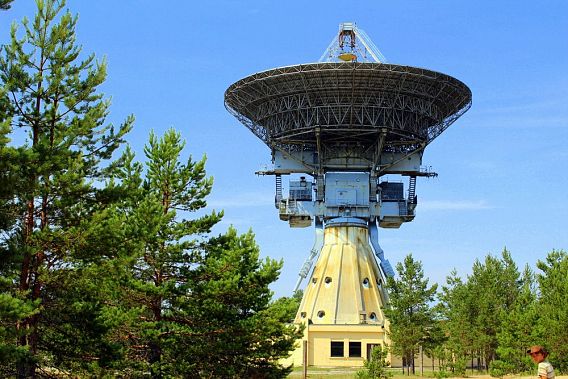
{"type": "Point", "coordinates": [325, 372]}
{"type": "Point", "coordinates": [315, 372]}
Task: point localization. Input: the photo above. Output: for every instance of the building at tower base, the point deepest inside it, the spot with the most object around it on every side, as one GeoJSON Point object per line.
{"type": "Point", "coordinates": [337, 345]}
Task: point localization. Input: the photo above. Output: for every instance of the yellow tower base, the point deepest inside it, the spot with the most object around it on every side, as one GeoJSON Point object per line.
{"type": "Point", "coordinates": [342, 304]}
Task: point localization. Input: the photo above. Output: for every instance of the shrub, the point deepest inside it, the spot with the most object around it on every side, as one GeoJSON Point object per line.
{"type": "Point", "coordinates": [376, 367]}
{"type": "Point", "coordinates": [499, 368]}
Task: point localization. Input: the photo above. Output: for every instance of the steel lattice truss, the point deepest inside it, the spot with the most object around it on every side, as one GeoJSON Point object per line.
{"type": "Point", "coordinates": [340, 107]}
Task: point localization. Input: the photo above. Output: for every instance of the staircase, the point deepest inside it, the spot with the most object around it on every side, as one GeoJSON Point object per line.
{"type": "Point", "coordinates": [412, 200]}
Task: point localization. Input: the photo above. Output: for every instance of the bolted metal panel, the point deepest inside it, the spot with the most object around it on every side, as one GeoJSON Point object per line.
{"type": "Point", "coordinates": [346, 189]}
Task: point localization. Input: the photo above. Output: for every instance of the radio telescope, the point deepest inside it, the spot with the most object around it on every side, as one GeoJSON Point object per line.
{"type": "Point", "coordinates": [338, 127]}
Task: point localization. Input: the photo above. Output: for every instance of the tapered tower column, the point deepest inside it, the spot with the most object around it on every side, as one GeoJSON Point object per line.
{"type": "Point", "coordinates": [341, 309]}
{"type": "Point", "coordinates": [345, 286]}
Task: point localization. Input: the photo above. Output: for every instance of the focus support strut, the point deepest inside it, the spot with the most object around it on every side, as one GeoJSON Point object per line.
{"type": "Point", "coordinates": [318, 243]}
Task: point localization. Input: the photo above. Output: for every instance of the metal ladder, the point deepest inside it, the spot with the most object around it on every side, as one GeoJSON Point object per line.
{"type": "Point", "coordinates": [278, 195]}
{"type": "Point", "coordinates": [412, 189]}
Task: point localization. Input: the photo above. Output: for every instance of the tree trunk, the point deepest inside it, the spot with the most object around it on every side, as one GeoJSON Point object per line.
{"type": "Point", "coordinates": [26, 368]}
{"type": "Point", "coordinates": [412, 361]}
{"type": "Point", "coordinates": [421, 361]}
{"type": "Point", "coordinates": [155, 356]}
{"type": "Point", "coordinates": [29, 271]}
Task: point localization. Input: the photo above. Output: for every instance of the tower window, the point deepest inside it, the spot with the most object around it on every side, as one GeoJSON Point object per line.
{"type": "Point", "coordinates": [337, 348]}
{"type": "Point", "coordinates": [354, 349]}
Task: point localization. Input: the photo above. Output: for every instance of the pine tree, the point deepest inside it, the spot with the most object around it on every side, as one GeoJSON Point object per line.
{"type": "Point", "coordinates": [245, 334]}
{"type": "Point", "coordinates": [458, 314]}
{"type": "Point", "coordinates": [552, 307]}
{"type": "Point", "coordinates": [517, 329]}
{"type": "Point", "coordinates": [409, 310]}
{"type": "Point", "coordinates": [13, 308]}
{"type": "Point", "coordinates": [196, 305]}
{"type": "Point", "coordinates": [52, 91]}
{"type": "Point", "coordinates": [8, 179]}
{"type": "Point", "coordinates": [169, 193]}
{"type": "Point", "coordinates": [475, 310]}
{"type": "Point", "coordinates": [499, 282]}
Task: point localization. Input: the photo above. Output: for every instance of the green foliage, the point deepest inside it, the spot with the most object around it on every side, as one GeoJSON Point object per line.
{"type": "Point", "coordinates": [472, 322]}
{"type": "Point", "coordinates": [108, 266]}
{"type": "Point", "coordinates": [288, 306]}
{"type": "Point", "coordinates": [517, 328]}
{"type": "Point", "coordinates": [231, 291]}
{"type": "Point", "coordinates": [13, 308]}
{"type": "Point", "coordinates": [458, 312]}
{"type": "Point", "coordinates": [157, 205]}
{"type": "Point", "coordinates": [50, 183]}
{"type": "Point", "coordinates": [409, 310]}
{"type": "Point", "coordinates": [457, 366]}
{"type": "Point", "coordinates": [8, 168]}
{"type": "Point", "coordinates": [498, 280]}
{"type": "Point", "coordinates": [376, 367]}
{"type": "Point", "coordinates": [442, 373]}
{"type": "Point", "coordinates": [188, 303]}
{"type": "Point", "coordinates": [499, 369]}
{"type": "Point", "coordinates": [108, 269]}
{"type": "Point", "coordinates": [512, 314]}
{"type": "Point", "coordinates": [5, 4]}
{"type": "Point", "coordinates": [552, 325]}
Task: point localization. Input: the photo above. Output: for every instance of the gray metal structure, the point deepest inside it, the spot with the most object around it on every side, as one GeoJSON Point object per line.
{"type": "Point", "coordinates": [347, 124]}
{"type": "Point", "coordinates": [347, 110]}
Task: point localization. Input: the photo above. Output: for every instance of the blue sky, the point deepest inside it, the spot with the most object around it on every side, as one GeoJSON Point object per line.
{"type": "Point", "coordinates": [502, 166]}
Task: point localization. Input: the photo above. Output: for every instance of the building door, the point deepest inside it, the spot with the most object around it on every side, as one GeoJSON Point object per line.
{"type": "Point", "coordinates": [370, 347]}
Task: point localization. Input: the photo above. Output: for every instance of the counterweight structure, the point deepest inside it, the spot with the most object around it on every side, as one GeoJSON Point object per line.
{"type": "Point", "coordinates": [342, 125]}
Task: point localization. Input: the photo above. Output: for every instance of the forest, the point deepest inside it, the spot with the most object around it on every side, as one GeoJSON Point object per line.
{"type": "Point", "coordinates": [486, 320]}
{"type": "Point", "coordinates": [108, 267]}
